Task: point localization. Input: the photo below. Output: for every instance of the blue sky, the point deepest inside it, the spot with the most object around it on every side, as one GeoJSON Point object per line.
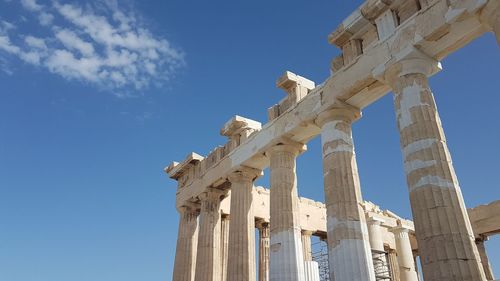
{"type": "Point", "coordinates": [97, 97]}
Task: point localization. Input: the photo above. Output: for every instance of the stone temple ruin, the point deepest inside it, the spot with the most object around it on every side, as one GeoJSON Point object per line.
{"type": "Point", "coordinates": [387, 45]}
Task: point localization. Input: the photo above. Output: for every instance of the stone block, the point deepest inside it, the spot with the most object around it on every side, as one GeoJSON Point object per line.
{"type": "Point", "coordinates": [273, 112]}
{"type": "Point", "coordinates": [406, 8]}
{"type": "Point", "coordinates": [337, 63]}
{"type": "Point", "coordinates": [386, 24]}
{"type": "Point", "coordinates": [351, 50]}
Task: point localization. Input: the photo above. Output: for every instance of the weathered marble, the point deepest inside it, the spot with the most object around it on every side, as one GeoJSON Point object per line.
{"type": "Point", "coordinates": [349, 249]}
{"type": "Point", "coordinates": [208, 260]}
{"type": "Point", "coordinates": [385, 45]}
{"type": "Point", "coordinates": [264, 242]}
{"type": "Point", "coordinates": [407, 271]}
{"type": "Point", "coordinates": [241, 261]}
{"type": "Point", "coordinates": [185, 254]}
{"type": "Point", "coordinates": [286, 257]}
{"type": "Point", "coordinates": [442, 226]}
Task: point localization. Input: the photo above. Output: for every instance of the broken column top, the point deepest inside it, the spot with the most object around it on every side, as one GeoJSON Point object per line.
{"type": "Point", "coordinates": [237, 124]}
{"type": "Point", "coordinates": [175, 170]}
{"type": "Point", "coordinates": [290, 80]}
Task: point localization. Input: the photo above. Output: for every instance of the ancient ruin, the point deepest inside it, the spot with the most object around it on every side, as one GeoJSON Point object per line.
{"type": "Point", "coordinates": [387, 45]}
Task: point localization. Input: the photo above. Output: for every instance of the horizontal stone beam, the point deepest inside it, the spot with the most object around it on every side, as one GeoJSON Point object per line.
{"type": "Point", "coordinates": [485, 219]}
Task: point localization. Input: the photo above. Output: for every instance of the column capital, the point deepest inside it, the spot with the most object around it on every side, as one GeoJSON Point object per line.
{"type": "Point", "coordinates": [408, 61]}
{"type": "Point", "coordinates": [244, 173]}
{"type": "Point", "coordinates": [212, 194]}
{"type": "Point", "coordinates": [307, 232]}
{"type": "Point", "coordinates": [399, 230]}
{"type": "Point", "coordinates": [340, 111]}
{"type": "Point", "coordinates": [260, 223]}
{"type": "Point", "coordinates": [285, 144]}
{"type": "Point", "coordinates": [374, 221]}
{"type": "Point", "coordinates": [481, 238]}
{"type": "Point", "coordinates": [188, 207]}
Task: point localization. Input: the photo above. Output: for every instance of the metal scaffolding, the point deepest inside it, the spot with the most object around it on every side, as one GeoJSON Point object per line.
{"type": "Point", "coordinates": [381, 266]}
{"type": "Point", "coordinates": [320, 255]}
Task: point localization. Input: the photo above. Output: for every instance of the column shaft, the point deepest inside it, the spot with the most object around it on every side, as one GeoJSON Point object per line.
{"type": "Point", "coordinates": [393, 264]}
{"type": "Point", "coordinates": [406, 262]}
{"type": "Point", "coordinates": [443, 230]}
{"type": "Point", "coordinates": [185, 254]}
{"type": "Point", "coordinates": [264, 252]}
{"type": "Point", "coordinates": [375, 233]}
{"type": "Point", "coordinates": [286, 257]}
{"type": "Point", "coordinates": [224, 245]}
{"type": "Point", "coordinates": [306, 245]}
{"type": "Point", "coordinates": [484, 259]}
{"type": "Point", "coordinates": [349, 252]}
{"type": "Point", "coordinates": [208, 263]}
{"type": "Point", "coordinates": [380, 262]}
{"type": "Point", "coordinates": [241, 263]}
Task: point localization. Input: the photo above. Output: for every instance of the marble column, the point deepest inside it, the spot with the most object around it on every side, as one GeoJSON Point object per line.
{"type": "Point", "coordinates": [375, 233]}
{"type": "Point", "coordinates": [442, 226]}
{"type": "Point", "coordinates": [224, 245]}
{"type": "Point", "coordinates": [263, 251]}
{"type": "Point", "coordinates": [185, 254]}
{"type": "Point", "coordinates": [349, 253]}
{"type": "Point", "coordinates": [393, 264]}
{"type": "Point", "coordinates": [306, 245]}
{"type": "Point", "coordinates": [208, 260]}
{"type": "Point", "coordinates": [286, 257]}
{"type": "Point", "coordinates": [407, 271]}
{"type": "Point", "coordinates": [484, 258]}
{"type": "Point", "coordinates": [377, 246]}
{"type": "Point", "coordinates": [241, 263]}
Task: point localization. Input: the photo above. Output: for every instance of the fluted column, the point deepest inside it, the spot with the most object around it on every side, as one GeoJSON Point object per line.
{"type": "Point", "coordinates": [241, 263]}
{"type": "Point", "coordinates": [185, 254]}
{"type": "Point", "coordinates": [442, 226]}
{"type": "Point", "coordinates": [349, 252]}
{"type": "Point", "coordinates": [263, 251]}
{"type": "Point", "coordinates": [393, 264]}
{"type": "Point", "coordinates": [208, 261]}
{"type": "Point", "coordinates": [306, 245]}
{"type": "Point", "coordinates": [375, 233]}
{"type": "Point", "coordinates": [286, 258]}
{"type": "Point", "coordinates": [484, 258]}
{"type": "Point", "coordinates": [407, 271]}
{"type": "Point", "coordinates": [224, 245]}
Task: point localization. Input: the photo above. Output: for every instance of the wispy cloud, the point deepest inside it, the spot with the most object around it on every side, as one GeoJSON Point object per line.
{"type": "Point", "coordinates": [31, 5]}
{"type": "Point", "coordinates": [104, 45]}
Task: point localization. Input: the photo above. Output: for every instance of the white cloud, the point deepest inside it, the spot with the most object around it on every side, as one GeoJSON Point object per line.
{"type": "Point", "coordinates": [31, 5]}
{"type": "Point", "coordinates": [66, 64]}
{"type": "Point", "coordinates": [6, 26]}
{"type": "Point", "coordinates": [35, 42]}
{"type": "Point", "coordinates": [32, 57]}
{"type": "Point", "coordinates": [45, 18]}
{"type": "Point", "coordinates": [107, 47]}
{"type": "Point", "coordinates": [7, 46]}
{"type": "Point", "coordinates": [69, 39]}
